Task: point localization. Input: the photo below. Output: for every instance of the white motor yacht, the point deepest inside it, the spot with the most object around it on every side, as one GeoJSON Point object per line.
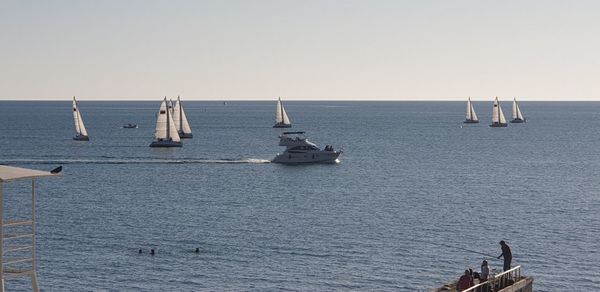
{"type": "Point", "coordinates": [299, 150]}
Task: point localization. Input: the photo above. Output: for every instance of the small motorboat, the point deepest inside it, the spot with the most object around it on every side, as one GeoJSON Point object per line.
{"type": "Point", "coordinates": [300, 151]}
{"type": "Point", "coordinates": [130, 126]}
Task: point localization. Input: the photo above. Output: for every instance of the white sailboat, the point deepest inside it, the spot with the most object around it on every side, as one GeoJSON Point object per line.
{"type": "Point", "coordinates": [516, 113]}
{"type": "Point", "coordinates": [180, 120]}
{"type": "Point", "coordinates": [498, 119]}
{"type": "Point", "coordinates": [80, 131]}
{"type": "Point", "coordinates": [281, 118]}
{"type": "Point", "coordinates": [471, 115]}
{"type": "Point", "coordinates": [165, 134]}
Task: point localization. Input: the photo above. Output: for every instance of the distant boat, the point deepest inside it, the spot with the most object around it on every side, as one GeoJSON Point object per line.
{"type": "Point", "coordinates": [130, 126]}
{"type": "Point", "coordinates": [165, 134]}
{"type": "Point", "coordinates": [180, 120]}
{"type": "Point", "coordinates": [498, 119]}
{"type": "Point", "coordinates": [298, 150]}
{"type": "Point", "coordinates": [516, 113]}
{"type": "Point", "coordinates": [80, 131]}
{"type": "Point", "coordinates": [471, 115]}
{"type": "Point", "coordinates": [281, 118]}
{"type": "Point", "coordinates": [224, 103]}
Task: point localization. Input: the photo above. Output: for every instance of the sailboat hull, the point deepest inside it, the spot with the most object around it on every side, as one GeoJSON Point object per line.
{"type": "Point", "coordinates": [282, 125]}
{"type": "Point", "coordinates": [165, 143]}
{"type": "Point", "coordinates": [183, 135]}
{"type": "Point", "coordinates": [471, 122]}
{"type": "Point", "coordinates": [498, 125]}
{"type": "Point", "coordinates": [518, 121]}
{"type": "Point", "coordinates": [81, 138]}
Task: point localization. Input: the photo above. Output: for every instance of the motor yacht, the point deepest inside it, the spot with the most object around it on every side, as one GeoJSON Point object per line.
{"type": "Point", "coordinates": [298, 150]}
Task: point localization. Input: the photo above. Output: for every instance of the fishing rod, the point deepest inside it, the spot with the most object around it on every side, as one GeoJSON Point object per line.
{"type": "Point", "coordinates": [454, 247]}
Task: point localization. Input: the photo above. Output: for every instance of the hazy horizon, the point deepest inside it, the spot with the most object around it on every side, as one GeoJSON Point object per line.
{"type": "Point", "coordinates": [309, 50]}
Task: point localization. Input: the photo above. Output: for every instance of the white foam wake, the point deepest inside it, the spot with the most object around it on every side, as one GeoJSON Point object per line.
{"type": "Point", "coordinates": [136, 161]}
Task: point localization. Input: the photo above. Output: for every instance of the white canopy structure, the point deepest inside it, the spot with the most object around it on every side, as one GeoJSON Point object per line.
{"type": "Point", "coordinates": [17, 257]}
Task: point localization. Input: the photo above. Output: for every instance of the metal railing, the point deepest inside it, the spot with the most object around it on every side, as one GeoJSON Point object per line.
{"type": "Point", "coordinates": [498, 282]}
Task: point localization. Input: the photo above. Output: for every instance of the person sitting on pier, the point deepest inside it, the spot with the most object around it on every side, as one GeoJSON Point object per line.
{"type": "Point", "coordinates": [485, 272]}
{"type": "Point", "coordinates": [465, 282]}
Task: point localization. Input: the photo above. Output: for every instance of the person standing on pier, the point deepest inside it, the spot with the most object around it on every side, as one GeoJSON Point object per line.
{"type": "Point", "coordinates": [507, 255]}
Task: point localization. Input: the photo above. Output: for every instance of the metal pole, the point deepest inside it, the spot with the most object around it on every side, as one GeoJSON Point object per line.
{"type": "Point", "coordinates": [34, 283]}
{"type": "Point", "coordinates": [33, 224]}
{"type": "Point", "coordinates": [1, 237]}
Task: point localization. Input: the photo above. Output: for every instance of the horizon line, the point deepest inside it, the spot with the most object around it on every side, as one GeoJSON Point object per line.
{"type": "Point", "coordinates": [326, 100]}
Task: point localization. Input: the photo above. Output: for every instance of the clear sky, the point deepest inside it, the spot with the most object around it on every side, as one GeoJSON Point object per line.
{"type": "Point", "coordinates": [304, 49]}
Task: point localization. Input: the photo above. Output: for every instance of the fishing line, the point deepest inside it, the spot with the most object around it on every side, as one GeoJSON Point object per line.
{"type": "Point", "coordinates": [452, 246]}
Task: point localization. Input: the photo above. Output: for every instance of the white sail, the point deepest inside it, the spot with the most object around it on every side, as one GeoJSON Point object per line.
{"type": "Point", "coordinates": [516, 111]}
{"type": "Point", "coordinates": [281, 116]}
{"type": "Point", "coordinates": [501, 114]}
{"type": "Point", "coordinates": [471, 115]}
{"type": "Point", "coordinates": [79, 126]}
{"type": "Point", "coordinates": [165, 128]}
{"type": "Point", "coordinates": [170, 105]}
{"type": "Point", "coordinates": [180, 119]}
{"type": "Point", "coordinates": [497, 115]}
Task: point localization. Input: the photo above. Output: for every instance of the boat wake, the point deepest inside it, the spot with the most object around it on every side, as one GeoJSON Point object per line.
{"type": "Point", "coordinates": [136, 161]}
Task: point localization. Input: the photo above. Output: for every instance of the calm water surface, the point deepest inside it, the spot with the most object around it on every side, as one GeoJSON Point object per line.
{"type": "Point", "coordinates": [418, 196]}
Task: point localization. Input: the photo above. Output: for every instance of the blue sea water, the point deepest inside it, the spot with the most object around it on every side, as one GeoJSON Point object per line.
{"type": "Point", "coordinates": [417, 198]}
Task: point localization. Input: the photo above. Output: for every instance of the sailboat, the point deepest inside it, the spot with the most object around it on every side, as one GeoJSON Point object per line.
{"type": "Point", "coordinates": [471, 115]}
{"type": "Point", "coordinates": [516, 113]}
{"type": "Point", "coordinates": [180, 120]}
{"type": "Point", "coordinates": [281, 118]}
{"type": "Point", "coordinates": [498, 119]}
{"type": "Point", "coordinates": [80, 131]}
{"type": "Point", "coordinates": [165, 134]}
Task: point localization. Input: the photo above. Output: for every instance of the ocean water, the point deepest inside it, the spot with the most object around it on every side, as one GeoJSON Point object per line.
{"type": "Point", "coordinates": [417, 198]}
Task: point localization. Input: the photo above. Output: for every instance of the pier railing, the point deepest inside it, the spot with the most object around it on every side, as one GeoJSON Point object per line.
{"type": "Point", "coordinates": [498, 282]}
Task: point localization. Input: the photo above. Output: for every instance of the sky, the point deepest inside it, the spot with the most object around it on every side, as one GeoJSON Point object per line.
{"type": "Point", "coordinates": [299, 50]}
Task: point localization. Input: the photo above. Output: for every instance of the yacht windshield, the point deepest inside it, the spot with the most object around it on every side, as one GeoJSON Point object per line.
{"type": "Point", "coordinates": [305, 148]}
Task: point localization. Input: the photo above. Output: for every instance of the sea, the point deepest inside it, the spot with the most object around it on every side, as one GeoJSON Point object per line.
{"type": "Point", "coordinates": [417, 197]}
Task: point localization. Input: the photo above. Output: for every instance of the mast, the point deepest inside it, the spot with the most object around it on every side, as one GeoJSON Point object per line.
{"type": "Point", "coordinates": [180, 114]}
{"type": "Point", "coordinates": [168, 122]}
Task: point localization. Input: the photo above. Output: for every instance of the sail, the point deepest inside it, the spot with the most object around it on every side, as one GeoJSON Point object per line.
{"type": "Point", "coordinates": [165, 128]}
{"type": "Point", "coordinates": [499, 115]}
{"type": "Point", "coordinates": [471, 115]}
{"type": "Point", "coordinates": [79, 126]}
{"type": "Point", "coordinates": [170, 105]}
{"type": "Point", "coordinates": [180, 119]}
{"type": "Point", "coordinates": [286, 119]}
{"type": "Point", "coordinates": [514, 109]}
{"type": "Point", "coordinates": [281, 116]}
